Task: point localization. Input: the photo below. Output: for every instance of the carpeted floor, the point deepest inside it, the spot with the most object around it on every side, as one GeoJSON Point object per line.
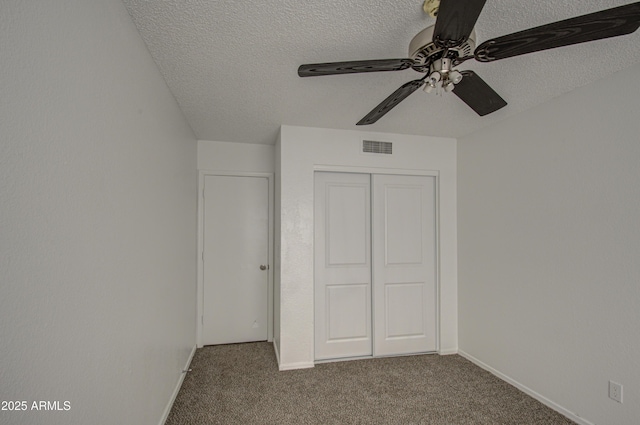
{"type": "Point", "coordinates": [241, 384]}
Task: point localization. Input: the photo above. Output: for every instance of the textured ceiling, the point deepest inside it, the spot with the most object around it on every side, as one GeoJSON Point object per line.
{"type": "Point", "coordinates": [232, 65]}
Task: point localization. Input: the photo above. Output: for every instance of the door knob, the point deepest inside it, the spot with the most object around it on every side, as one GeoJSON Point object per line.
{"type": "Point", "coordinates": [263, 267]}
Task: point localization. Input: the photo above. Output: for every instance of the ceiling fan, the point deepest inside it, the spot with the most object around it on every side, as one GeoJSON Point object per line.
{"type": "Point", "coordinates": [438, 49]}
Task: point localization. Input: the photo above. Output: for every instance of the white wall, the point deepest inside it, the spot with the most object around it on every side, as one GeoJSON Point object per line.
{"type": "Point", "coordinates": [97, 218]}
{"type": "Point", "coordinates": [240, 157]}
{"type": "Point", "coordinates": [277, 248]}
{"type": "Point", "coordinates": [303, 150]}
{"type": "Point", "coordinates": [549, 239]}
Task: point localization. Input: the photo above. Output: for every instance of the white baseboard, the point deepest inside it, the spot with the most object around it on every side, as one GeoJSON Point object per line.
{"type": "Point", "coordinates": [172, 400]}
{"type": "Point", "coordinates": [542, 399]}
{"type": "Point", "coordinates": [277, 351]}
{"type": "Point", "coordinates": [448, 351]}
{"type": "Point", "coordinates": [293, 366]}
{"type": "Point", "coordinates": [290, 366]}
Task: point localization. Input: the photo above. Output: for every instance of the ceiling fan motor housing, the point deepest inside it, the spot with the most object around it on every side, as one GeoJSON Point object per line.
{"type": "Point", "coordinates": [424, 51]}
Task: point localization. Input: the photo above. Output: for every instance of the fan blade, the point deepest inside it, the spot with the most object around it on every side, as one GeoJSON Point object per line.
{"type": "Point", "coordinates": [607, 23]}
{"type": "Point", "coordinates": [353, 67]}
{"type": "Point", "coordinates": [455, 21]}
{"type": "Point", "coordinates": [473, 91]}
{"type": "Point", "coordinates": [390, 102]}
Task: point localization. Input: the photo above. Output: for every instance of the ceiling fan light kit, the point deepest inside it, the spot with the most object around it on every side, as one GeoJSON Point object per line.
{"type": "Point", "coordinates": [438, 49]}
{"type": "Point", "coordinates": [430, 7]}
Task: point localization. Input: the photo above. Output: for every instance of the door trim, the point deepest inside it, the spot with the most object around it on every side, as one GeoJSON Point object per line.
{"type": "Point", "coordinates": [200, 273]}
{"type": "Point", "coordinates": [405, 172]}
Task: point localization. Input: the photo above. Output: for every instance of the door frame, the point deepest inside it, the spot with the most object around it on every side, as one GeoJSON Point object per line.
{"type": "Point", "coordinates": [403, 172]}
{"type": "Point", "coordinates": [200, 285]}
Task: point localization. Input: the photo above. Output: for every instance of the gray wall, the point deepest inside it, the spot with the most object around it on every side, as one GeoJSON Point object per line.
{"type": "Point", "coordinates": [97, 218]}
{"type": "Point", "coordinates": [549, 239]}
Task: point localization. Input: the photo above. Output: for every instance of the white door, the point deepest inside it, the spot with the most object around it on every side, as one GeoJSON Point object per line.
{"type": "Point", "coordinates": [342, 265]}
{"type": "Point", "coordinates": [404, 264]}
{"type": "Point", "coordinates": [236, 238]}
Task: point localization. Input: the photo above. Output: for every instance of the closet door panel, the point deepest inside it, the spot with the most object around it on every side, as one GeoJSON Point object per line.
{"type": "Point", "coordinates": [404, 264]}
{"type": "Point", "coordinates": [342, 265]}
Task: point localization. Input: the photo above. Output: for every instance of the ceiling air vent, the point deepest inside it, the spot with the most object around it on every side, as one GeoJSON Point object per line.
{"type": "Point", "coordinates": [371, 146]}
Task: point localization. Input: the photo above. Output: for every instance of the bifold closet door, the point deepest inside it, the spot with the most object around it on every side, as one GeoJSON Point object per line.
{"type": "Point", "coordinates": [342, 265]}
{"type": "Point", "coordinates": [404, 264]}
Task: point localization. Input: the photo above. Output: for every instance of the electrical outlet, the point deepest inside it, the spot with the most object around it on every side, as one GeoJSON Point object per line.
{"type": "Point", "coordinates": [615, 391]}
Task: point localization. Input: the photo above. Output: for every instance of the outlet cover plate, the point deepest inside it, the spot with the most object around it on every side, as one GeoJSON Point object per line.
{"type": "Point", "coordinates": [615, 391]}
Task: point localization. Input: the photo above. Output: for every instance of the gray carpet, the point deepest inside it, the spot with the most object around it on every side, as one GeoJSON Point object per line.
{"type": "Point", "coordinates": [241, 384]}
